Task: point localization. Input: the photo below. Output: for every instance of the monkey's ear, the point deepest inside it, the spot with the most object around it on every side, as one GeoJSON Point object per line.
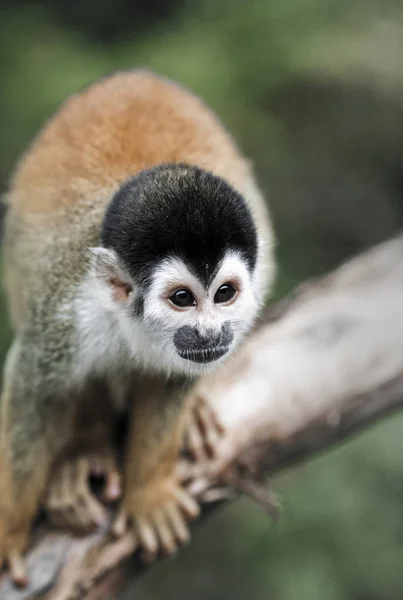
{"type": "Point", "coordinates": [108, 267]}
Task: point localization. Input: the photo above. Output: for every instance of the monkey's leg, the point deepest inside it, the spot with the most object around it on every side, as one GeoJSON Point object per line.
{"type": "Point", "coordinates": [153, 500]}
{"type": "Point", "coordinates": [203, 430]}
{"type": "Point", "coordinates": [35, 423]}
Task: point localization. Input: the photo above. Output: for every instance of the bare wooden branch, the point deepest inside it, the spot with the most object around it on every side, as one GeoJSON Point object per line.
{"type": "Point", "coordinates": [317, 368]}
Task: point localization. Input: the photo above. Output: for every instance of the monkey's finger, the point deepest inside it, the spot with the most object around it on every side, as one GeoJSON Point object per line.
{"type": "Point", "coordinates": [194, 442]}
{"type": "Point", "coordinates": [212, 439]}
{"type": "Point", "coordinates": [187, 471]}
{"type": "Point", "coordinates": [183, 470]}
{"type": "Point", "coordinates": [165, 534]}
{"type": "Point", "coordinates": [17, 568]}
{"type": "Point", "coordinates": [147, 539]}
{"type": "Point", "coordinates": [217, 494]}
{"type": "Point", "coordinates": [188, 505]}
{"type": "Point", "coordinates": [119, 526]}
{"type": "Point", "coordinates": [91, 511]}
{"type": "Point", "coordinates": [208, 418]}
{"type": "Point", "coordinates": [178, 523]}
{"type": "Point", "coordinates": [211, 427]}
{"type": "Point", "coordinates": [197, 487]}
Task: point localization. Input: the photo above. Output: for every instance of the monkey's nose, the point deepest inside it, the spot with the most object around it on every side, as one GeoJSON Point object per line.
{"type": "Point", "coordinates": [208, 336]}
{"type": "Point", "coordinates": [203, 346]}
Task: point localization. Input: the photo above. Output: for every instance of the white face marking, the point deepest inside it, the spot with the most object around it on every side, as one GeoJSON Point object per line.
{"type": "Point", "coordinates": [161, 319]}
{"type": "Point", "coordinates": [148, 339]}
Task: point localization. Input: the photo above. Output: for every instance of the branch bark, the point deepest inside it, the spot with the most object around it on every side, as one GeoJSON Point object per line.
{"type": "Point", "coordinates": [318, 367]}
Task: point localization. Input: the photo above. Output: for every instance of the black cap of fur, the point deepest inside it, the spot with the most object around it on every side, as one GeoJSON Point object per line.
{"type": "Point", "coordinates": [178, 211]}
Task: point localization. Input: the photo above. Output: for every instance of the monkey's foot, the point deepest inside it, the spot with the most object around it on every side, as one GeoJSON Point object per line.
{"type": "Point", "coordinates": [158, 515]}
{"type": "Point", "coordinates": [203, 431]}
{"type": "Point", "coordinates": [71, 502]}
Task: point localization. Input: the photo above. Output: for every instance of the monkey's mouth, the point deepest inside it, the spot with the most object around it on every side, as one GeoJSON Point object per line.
{"type": "Point", "coordinates": [204, 355]}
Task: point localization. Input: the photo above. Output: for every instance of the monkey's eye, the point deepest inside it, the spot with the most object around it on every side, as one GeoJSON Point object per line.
{"type": "Point", "coordinates": [182, 298]}
{"type": "Point", "coordinates": [225, 293]}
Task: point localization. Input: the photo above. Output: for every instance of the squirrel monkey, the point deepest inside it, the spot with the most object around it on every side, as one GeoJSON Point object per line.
{"type": "Point", "coordinates": [138, 251]}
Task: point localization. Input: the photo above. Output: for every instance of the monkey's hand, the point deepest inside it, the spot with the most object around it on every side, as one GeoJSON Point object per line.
{"type": "Point", "coordinates": [70, 501]}
{"type": "Point", "coordinates": [158, 514]}
{"type": "Point", "coordinates": [203, 431]}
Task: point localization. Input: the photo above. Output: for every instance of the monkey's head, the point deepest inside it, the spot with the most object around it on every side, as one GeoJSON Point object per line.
{"type": "Point", "coordinates": [178, 262]}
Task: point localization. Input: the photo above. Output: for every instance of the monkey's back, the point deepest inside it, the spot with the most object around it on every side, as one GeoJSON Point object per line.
{"type": "Point", "coordinates": [99, 137]}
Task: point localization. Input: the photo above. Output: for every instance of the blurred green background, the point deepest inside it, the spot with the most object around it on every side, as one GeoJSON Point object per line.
{"type": "Point", "coordinates": [313, 92]}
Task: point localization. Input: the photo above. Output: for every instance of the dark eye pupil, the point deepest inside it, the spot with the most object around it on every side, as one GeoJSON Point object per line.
{"type": "Point", "coordinates": [182, 298]}
{"type": "Point", "coordinates": [224, 293]}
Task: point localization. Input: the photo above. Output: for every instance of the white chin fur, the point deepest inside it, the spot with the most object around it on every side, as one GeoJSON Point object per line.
{"type": "Point", "coordinates": [164, 358]}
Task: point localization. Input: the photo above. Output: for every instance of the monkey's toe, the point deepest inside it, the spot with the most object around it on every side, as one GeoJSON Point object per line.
{"type": "Point", "coordinates": [120, 524]}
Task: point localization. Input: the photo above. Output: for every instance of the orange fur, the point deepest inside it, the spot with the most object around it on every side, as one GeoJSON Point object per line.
{"type": "Point", "coordinates": [113, 129]}
{"type": "Point", "coordinates": [99, 138]}
{"type": "Point", "coordinates": [57, 200]}
{"type": "Point", "coordinates": [159, 417]}
{"type": "Point", "coordinates": [154, 396]}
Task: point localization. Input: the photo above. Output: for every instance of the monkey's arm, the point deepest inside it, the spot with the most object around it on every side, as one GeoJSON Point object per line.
{"type": "Point", "coordinates": [153, 499]}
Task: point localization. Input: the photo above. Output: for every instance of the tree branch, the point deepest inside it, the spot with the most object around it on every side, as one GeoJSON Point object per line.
{"type": "Point", "coordinates": [318, 367]}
